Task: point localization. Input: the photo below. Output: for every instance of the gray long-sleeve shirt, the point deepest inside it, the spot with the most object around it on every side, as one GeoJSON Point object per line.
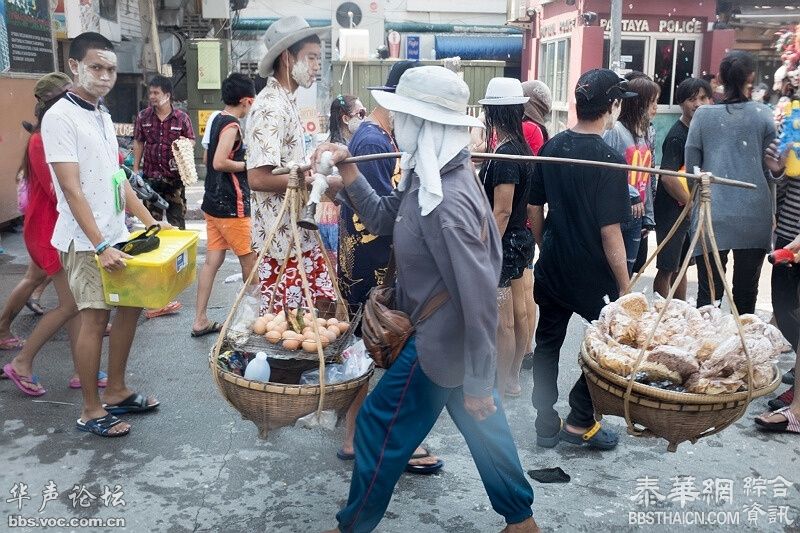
{"type": "Point", "coordinates": [456, 247]}
{"type": "Point", "coordinates": [729, 142]}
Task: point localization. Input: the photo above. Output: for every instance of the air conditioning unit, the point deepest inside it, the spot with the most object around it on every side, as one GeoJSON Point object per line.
{"type": "Point", "coordinates": [361, 15]}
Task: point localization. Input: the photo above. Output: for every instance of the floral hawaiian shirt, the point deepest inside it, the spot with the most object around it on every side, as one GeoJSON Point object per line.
{"type": "Point", "coordinates": [274, 137]}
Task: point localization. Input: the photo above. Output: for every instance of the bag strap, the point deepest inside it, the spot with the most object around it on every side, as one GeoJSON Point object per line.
{"type": "Point", "coordinates": [433, 304]}
{"type": "Point", "coordinates": [391, 270]}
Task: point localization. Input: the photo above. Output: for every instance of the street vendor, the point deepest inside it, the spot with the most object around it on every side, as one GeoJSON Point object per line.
{"type": "Point", "coordinates": [445, 239]}
{"type": "Point", "coordinates": [274, 138]}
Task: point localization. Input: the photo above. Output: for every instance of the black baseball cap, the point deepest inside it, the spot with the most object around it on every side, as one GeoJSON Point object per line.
{"type": "Point", "coordinates": [599, 87]}
{"type": "Point", "coordinates": [398, 69]}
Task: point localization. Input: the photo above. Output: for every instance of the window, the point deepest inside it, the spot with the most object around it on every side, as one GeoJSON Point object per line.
{"type": "Point", "coordinates": [668, 61]}
{"type": "Point", "coordinates": [554, 71]}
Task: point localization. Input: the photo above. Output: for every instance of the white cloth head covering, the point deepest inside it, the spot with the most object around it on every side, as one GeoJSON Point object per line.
{"type": "Point", "coordinates": [427, 147]}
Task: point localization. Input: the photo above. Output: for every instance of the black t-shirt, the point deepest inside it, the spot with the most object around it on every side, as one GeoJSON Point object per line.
{"type": "Point", "coordinates": [672, 158]}
{"type": "Point", "coordinates": [496, 172]}
{"type": "Point", "coordinates": [572, 265]}
{"type": "Point", "coordinates": [227, 194]}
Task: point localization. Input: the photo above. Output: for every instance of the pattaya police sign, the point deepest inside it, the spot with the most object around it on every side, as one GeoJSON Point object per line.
{"type": "Point", "coordinates": [655, 25]}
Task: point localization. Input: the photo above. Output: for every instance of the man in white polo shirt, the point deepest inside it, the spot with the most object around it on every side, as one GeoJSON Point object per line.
{"type": "Point", "coordinates": [81, 147]}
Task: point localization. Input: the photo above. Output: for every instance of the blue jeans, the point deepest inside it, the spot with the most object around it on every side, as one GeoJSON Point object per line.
{"type": "Point", "coordinates": [394, 419]}
{"type": "Point", "coordinates": [632, 236]}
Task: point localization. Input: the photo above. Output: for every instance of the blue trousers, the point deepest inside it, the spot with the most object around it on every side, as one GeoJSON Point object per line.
{"type": "Point", "coordinates": [394, 419]}
{"type": "Point", "coordinates": [632, 237]}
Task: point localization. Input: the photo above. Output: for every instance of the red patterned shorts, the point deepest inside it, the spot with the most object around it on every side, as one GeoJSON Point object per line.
{"type": "Point", "coordinates": [291, 284]}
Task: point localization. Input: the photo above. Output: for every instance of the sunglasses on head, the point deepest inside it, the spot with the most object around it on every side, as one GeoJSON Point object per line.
{"type": "Point", "coordinates": [361, 113]}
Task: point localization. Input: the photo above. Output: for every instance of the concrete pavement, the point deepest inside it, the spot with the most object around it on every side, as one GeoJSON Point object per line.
{"type": "Point", "coordinates": [195, 465]}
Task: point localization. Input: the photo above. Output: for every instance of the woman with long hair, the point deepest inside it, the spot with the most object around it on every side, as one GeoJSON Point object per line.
{"type": "Point", "coordinates": [507, 185]}
{"type": "Point", "coordinates": [629, 136]}
{"type": "Point", "coordinates": [347, 114]}
{"type": "Point", "coordinates": [730, 139]}
{"type": "Point", "coordinates": [39, 223]}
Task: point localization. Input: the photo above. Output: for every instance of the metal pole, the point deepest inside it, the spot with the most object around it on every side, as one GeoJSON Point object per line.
{"type": "Point", "coordinates": [614, 62]}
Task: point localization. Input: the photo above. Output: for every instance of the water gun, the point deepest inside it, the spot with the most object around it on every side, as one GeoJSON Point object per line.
{"type": "Point", "coordinates": [782, 256]}
{"type": "Point", "coordinates": [790, 138]}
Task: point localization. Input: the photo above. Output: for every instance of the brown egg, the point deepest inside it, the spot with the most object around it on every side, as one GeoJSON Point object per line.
{"type": "Point", "coordinates": [325, 342]}
{"type": "Point", "coordinates": [280, 327]}
{"type": "Point", "coordinates": [273, 336]}
{"type": "Point", "coordinates": [309, 336]}
{"type": "Point", "coordinates": [259, 326]}
{"type": "Point", "coordinates": [269, 317]}
{"type": "Point", "coordinates": [332, 321]}
{"type": "Point", "coordinates": [343, 327]}
{"type": "Point", "coordinates": [289, 334]}
{"type": "Point", "coordinates": [322, 322]}
{"type": "Point", "coordinates": [291, 344]}
{"type": "Point", "coordinates": [332, 332]}
{"type": "Point", "coordinates": [281, 318]}
{"type": "Point", "coordinates": [307, 329]}
{"type": "Point", "coordinates": [310, 346]}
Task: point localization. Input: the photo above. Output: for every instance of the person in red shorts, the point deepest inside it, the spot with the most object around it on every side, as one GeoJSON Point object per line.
{"type": "Point", "coordinates": [39, 222]}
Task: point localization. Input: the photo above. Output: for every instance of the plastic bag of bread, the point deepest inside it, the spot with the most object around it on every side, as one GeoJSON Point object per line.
{"type": "Point", "coordinates": [697, 384]}
{"type": "Point", "coordinates": [668, 363]}
{"type": "Point", "coordinates": [634, 304]}
{"type": "Point", "coordinates": [183, 152]}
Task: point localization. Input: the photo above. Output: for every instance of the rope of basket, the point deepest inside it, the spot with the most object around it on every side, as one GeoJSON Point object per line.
{"type": "Point", "coordinates": [293, 201]}
{"type": "Point", "coordinates": [704, 233]}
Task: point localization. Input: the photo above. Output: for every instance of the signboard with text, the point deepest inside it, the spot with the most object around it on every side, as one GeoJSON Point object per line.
{"type": "Point", "coordinates": [26, 43]}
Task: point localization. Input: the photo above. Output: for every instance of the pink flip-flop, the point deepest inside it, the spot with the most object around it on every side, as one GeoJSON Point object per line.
{"type": "Point", "coordinates": [11, 343]}
{"type": "Point", "coordinates": [102, 381]}
{"type": "Point", "coordinates": [21, 381]}
{"type": "Point", "coordinates": [169, 309]}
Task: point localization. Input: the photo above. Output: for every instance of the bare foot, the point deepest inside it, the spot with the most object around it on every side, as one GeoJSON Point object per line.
{"type": "Point", "coordinates": [528, 526]}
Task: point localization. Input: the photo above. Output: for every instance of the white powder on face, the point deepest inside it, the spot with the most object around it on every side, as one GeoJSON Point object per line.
{"type": "Point", "coordinates": [108, 56]}
{"type": "Point", "coordinates": [301, 72]}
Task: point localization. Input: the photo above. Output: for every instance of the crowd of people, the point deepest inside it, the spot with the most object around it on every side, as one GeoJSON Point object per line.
{"type": "Point", "coordinates": [449, 224]}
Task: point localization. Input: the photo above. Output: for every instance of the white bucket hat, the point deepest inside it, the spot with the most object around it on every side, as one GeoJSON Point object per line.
{"type": "Point", "coordinates": [282, 34]}
{"type": "Point", "coordinates": [432, 93]}
{"type": "Point", "coordinates": [504, 91]}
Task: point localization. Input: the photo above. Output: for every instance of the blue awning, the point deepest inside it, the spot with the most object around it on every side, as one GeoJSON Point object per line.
{"type": "Point", "coordinates": [466, 46]}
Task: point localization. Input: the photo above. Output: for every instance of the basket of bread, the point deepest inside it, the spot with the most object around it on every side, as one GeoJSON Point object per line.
{"type": "Point", "coordinates": [688, 375]}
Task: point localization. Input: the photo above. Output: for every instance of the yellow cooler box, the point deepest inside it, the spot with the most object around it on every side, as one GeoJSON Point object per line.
{"type": "Point", "coordinates": [153, 279]}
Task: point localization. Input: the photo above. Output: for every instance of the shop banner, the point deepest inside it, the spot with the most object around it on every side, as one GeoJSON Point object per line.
{"type": "Point", "coordinates": [26, 43]}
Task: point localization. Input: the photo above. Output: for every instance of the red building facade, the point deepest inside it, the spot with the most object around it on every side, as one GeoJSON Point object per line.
{"type": "Point", "coordinates": [667, 40]}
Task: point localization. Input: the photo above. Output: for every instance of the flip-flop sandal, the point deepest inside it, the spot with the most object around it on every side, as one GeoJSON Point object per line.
{"type": "Point", "coordinates": [135, 403]}
{"type": "Point", "coordinates": [22, 381]}
{"type": "Point", "coordinates": [11, 343]}
{"type": "Point", "coordinates": [102, 426]}
{"type": "Point", "coordinates": [35, 307]}
{"type": "Point", "coordinates": [169, 309]}
{"type": "Point", "coordinates": [344, 456]}
{"type": "Point", "coordinates": [214, 327]}
{"type": "Point", "coordinates": [424, 470]}
{"type": "Point", "coordinates": [102, 381]}
{"type": "Point", "coordinates": [790, 425]}
{"type": "Point", "coordinates": [595, 437]}
{"type": "Point", "coordinates": [513, 394]}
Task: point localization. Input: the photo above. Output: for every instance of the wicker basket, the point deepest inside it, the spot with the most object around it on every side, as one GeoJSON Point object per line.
{"type": "Point", "coordinates": [674, 416]}
{"type": "Point", "coordinates": [274, 405]}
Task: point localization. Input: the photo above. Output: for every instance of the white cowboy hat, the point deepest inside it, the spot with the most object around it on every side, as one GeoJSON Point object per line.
{"type": "Point", "coordinates": [282, 34]}
{"type": "Point", "coordinates": [504, 91]}
{"type": "Point", "coordinates": [432, 93]}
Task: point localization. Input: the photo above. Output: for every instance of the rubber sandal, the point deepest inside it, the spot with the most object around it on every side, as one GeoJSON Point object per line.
{"type": "Point", "coordinates": [790, 425]}
{"type": "Point", "coordinates": [424, 470]}
{"type": "Point", "coordinates": [12, 343]}
{"type": "Point", "coordinates": [344, 456]}
{"type": "Point", "coordinates": [102, 426]}
{"type": "Point", "coordinates": [513, 394]}
{"type": "Point", "coordinates": [135, 403]}
{"type": "Point", "coordinates": [169, 309]}
{"type": "Point", "coordinates": [102, 381]}
{"type": "Point", "coordinates": [34, 306]}
{"type": "Point", "coordinates": [596, 437]}
{"type": "Point", "coordinates": [214, 327]}
{"type": "Point", "coordinates": [550, 442]}
{"type": "Point", "coordinates": [21, 381]}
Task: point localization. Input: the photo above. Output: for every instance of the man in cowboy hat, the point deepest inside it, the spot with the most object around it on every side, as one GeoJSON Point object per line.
{"type": "Point", "coordinates": [275, 138]}
{"type": "Point", "coordinates": [445, 242]}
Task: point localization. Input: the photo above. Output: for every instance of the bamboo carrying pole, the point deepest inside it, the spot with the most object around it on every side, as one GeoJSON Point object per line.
{"type": "Point", "coordinates": [541, 159]}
